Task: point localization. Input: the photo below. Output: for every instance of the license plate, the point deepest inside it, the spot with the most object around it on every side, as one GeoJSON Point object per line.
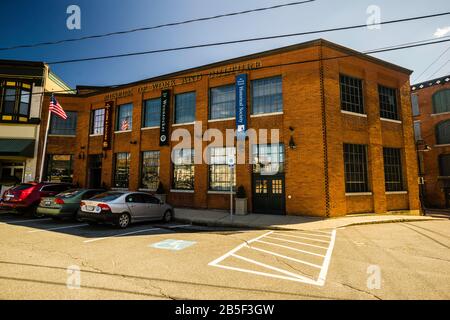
{"type": "Point", "coordinates": [90, 208]}
{"type": "Point", "coordinates": [9, 197]}
{"type": "Point", "coordinates": [48, 203]}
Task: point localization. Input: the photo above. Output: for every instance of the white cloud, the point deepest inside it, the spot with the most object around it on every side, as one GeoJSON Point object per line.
{"type": "Point", "coordinates": [440, 32]}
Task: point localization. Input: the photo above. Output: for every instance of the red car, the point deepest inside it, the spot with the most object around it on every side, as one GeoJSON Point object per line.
{"type": "Point", "coordinates": [25, 197]}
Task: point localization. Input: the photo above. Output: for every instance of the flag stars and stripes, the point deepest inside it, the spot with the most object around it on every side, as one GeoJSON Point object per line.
{"type": "Point", "coordinates": [56, 108]}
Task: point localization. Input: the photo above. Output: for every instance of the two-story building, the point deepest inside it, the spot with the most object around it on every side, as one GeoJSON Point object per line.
{"type": "Point", "coordinates": [345, 140]}
{"type": "Point", "coordinates": [22, 87]}
{"type": "Point", "coordinates": [431, 111]}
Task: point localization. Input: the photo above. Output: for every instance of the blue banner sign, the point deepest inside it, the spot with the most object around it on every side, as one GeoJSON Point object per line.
{"type": "Point", "coordinates": [241, 106]}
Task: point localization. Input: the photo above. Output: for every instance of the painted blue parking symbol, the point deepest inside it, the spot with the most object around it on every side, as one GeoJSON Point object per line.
{"type": "Point", "coordinates": [171, 244]}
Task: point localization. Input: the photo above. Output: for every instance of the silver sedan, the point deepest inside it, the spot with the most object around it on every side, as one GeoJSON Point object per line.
{"type": "Point", "coordinates": [122, 208]}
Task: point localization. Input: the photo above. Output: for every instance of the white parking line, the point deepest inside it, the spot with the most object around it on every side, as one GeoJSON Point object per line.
{"type": "Point", "coordinates": [315, 279]}
{"type": "Point", "coordinates": [300, 237]}
{"type": "Point", "coordinates": [307, 234]}
{"type": "Point", "coordinates": [303, 243]}
{"type": "Point", "coordinates": [22, 221]}
{"type": "Point", "coordinates": [121, 234]}
{"type": "Point", "coordinates": [58, 228]}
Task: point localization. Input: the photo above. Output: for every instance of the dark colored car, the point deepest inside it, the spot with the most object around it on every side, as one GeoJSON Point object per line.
{"type": "Point", "coordinates": [65, 204]}
{"type": "Point", "coordinates": [25, 197]}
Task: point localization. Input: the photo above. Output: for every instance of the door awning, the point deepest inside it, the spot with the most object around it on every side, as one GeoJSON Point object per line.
{"type": "Point", "coordinates": [17, 147]}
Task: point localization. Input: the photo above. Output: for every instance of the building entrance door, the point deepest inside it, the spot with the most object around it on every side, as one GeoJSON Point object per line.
{"type": "Point", "coordinates": [95, 171]}
{"type": "Point", "coordinates": [268, 194]}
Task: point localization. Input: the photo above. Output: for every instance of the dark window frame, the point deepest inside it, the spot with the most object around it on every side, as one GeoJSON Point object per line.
{"type": "Point", "coordinates": [393, 169]}
{"type": "Point", "coordinates": [97, 124]}
{"type": "Point", "coordinates": [388, 109]}
{"type": "Point", "coordinates": [442, 140]}
{"type": "Point", "coordinates": [356, 168]}
{"type": "Point", "coordinates": [156, 122]}
{"type": "Point", "coordinates": [441, 158]}
{"type": "Point", "coordinates": [158, 166]}
{"type": "Point", "coordinates": [278, 107]}
{"type": "Point", "coordinates": [64, 130]}
{"type": "Point", "coordinates": [49, 159]}
{"type": "Point", "coordinates": [20, 89]}
{"type": "Point", "coordinates": [123, 183]}
{"type": "Point", "coordinates": [176, 109]}
{"type": "Point", "coordinates": [183, 169]}
{"type": "Point", "coordinates": [119, 118]}
{"type": "Point", "coordinates": [212, 103]}
{"type": "Point", "coordinates": [445, 98]}
{"type": "Point", "coordinates": [351, 94]}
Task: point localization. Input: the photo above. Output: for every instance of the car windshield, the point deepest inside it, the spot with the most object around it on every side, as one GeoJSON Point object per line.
{"type": "Point", "coordinates": [23, 186]}
{"type": "Point", "coordinates": [107, 196]}
{"type": "Point", "coordinates": [70, 193]}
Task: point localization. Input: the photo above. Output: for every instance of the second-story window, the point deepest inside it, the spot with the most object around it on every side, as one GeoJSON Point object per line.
{"type": "Point", "coordinates": [16, 98]}
{"type": "Point", "coordinates": [222, 102]}
{"type": "Point", "coordinates": [152, 113]}
{"type": "Point", "coordinates": [441, 101]}
{"type": "Point", "coordinates": [185, 107]}
{"type": "Point", "coordinates": [98, 121]}
{"type": "Point", "coordinates": [415, 105]}
{"type": "Point", "coordinates": [388, 103]}
{"type": "Point", "coordinates": [267, 95]}
{"type": "Point", "coordinates": [351, 94]}
{"type": "Point", "coordinates": [443, 132]}
{"type": "Point", "coordinates": [124, 117]}
{"type": "Point", "coordinates": [63, 127]}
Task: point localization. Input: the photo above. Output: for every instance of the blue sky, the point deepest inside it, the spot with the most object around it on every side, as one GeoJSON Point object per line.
{"type": "Point", "coordinates": [35, 21]}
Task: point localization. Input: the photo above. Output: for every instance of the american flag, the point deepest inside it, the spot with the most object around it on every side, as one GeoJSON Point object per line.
{"type": "Point", "coordinates": [124, 125]}
{"type": "Point", "coordinates": [56, 108]}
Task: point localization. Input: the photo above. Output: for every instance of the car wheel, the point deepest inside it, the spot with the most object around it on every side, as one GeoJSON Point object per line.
{"type": "Point", "coordinates": [75, 217]}
{"type": "Point", "coordinates": [167, 216]}
{"type": "Point", "coordinates": [123, 220]}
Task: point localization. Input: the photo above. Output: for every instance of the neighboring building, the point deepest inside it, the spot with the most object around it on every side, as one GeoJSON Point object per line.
{"type": "Point", "coordinates": [346, 134]}
{"type": "Point", "coordinates": [431, 111]}
{"type": "Point", "coordinates": [21, 86]}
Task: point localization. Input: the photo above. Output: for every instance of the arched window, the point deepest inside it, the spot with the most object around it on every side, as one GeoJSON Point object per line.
{"type": "Point", "coordinates": [441, 101]}
{"type": "Point", "coordinates": [443, 132]}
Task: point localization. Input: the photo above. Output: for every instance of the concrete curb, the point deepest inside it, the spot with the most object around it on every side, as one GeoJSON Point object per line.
{"type": "Point", "coordinates": [246, 226]}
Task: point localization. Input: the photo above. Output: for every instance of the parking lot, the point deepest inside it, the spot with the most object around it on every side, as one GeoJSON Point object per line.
{"type": "Point", "coordinates": [45, 259]}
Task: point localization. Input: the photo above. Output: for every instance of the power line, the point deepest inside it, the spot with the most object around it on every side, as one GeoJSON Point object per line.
{"type": "Point", "coordinates": [172, 24]}
{"type": "Point", "coordinates": [213, 44]}
{"type": "Point", "coordinates": [431, 64]}
{"type": "Point", "coordinates": [356, 54]}
{"type": "Point", "coordinates": [440, 68]}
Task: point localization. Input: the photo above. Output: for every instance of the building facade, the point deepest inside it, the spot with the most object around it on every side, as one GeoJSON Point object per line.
{"type": "Point", "coordinates": [22, 84]}
{"type": "Point", "coordinates": [431, 112]}
{"type": "Point", "coordinates": [345, 139]}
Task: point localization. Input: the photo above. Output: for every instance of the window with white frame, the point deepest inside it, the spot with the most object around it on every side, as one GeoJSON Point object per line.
{"type": "Point", "coordinates": [267, 95]}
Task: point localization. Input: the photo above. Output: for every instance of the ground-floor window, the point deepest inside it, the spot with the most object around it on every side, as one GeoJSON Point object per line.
{"type": "Point", "coordinates": [220, 177]}
{"type": "Point", "coordinates": [60, 168]}
{"type": "Point", "coordinates": [183, 169]}
{"type": "Point", "coordinates": [150, 170]}
{"type": "Point", "coordinates": [121, 170]}
{"type": "Point", "coordinates": [268, 159]}
{"type": "Point", "coordinates": [444, 165]}
{"type": "Point", "coordinates": [355, 165]}
{"type": "Point", "coordinates": [393, 169]}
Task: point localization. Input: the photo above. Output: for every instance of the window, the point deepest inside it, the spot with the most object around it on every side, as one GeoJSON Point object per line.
{"type": "Point", "coordinates": [98, 121]}
{"type": "Point", "coordinates": [417, 131]}
{"type": "Point", "coordinates": [388, 102]}
{"type": "Point", "coordinates": [222, 102]}
{"type": "Point", "coordinates": [63, 127]}
{"type": "Point", "coordinates": [185, 107]}
{"type": "Point", "coordinates": [355, 166]}
{"type": "Point", "coordinates": [124, 117]}
{"type": "Point", "coordinates": [444, 165]}
{"type": "Point", "coordinates": [219, 170]}
{"type": "Point", "coordinates": [183, 169]}
{"type": "Point", "coordinates": [267, 96]}
{"type": "Point", "coordinates": [150, 199]}
{"type": "Point", "coordinates": [150, 170]}
{"type": "Point", "coordinates": [59, 168]}
{"type": "Point", "coordinates": [15, 98]}
{"type": "Point", "coordinates": [441, 101]}
{"type": "Point", "coordinates": [393, 169]}
{"type": "Point", "coordinates": [268, 159]}
{"type": "Point", "coordinates": [121, 170]}
{"type": "Point", "coordinates": [443, 132]}
{"type": "Point", "coordinates": [351, 94]}
{"type": "Point", "coordinates": [415, 105]}
{"type": "Point", "coordinates": [152, 113]}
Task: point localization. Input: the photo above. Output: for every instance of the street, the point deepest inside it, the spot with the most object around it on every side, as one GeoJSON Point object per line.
{"type": "Point", "coordinates": [46, 259]}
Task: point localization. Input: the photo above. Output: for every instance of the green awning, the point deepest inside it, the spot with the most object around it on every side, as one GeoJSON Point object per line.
{"type": "Point", "coordinates": [17, 147]}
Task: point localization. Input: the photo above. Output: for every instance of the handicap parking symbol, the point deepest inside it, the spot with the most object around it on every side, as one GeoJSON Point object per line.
{"type": "Point", "coordinates": [171, 244]}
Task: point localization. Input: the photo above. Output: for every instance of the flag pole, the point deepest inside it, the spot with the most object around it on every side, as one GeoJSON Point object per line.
{"type": "Point", "coordinates": [44, 148]}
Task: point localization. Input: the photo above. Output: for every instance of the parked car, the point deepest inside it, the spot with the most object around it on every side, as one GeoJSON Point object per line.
{"type": "Point", "coordinates": [25, 197]}
{"type": "Point", "coordinates": [65, 204]}
{"type": "Point", "coordinates": [123, 208]}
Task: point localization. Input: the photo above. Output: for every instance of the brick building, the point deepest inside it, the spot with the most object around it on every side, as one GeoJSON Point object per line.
{"type": "Point", "coordinates": [346, 142]}
{"type": "Point", "coordinates": [431, 114]}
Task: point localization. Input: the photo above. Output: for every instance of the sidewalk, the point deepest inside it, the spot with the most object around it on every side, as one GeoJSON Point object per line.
{"type": "Point", "coordinates": [219, 218]}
